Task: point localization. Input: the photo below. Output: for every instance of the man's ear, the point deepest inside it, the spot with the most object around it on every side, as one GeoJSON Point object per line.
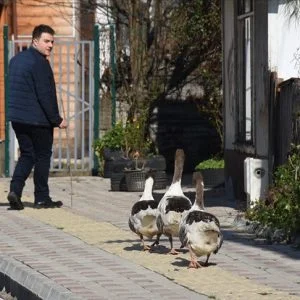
{"type": "Point", "coordinates": [34, 42]}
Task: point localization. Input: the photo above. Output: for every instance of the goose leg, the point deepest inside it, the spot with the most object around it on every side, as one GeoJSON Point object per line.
{"type": "Point", "coordinates": [206, 263]}
{"type": "Point", "coordinates": [145, 247]}
{"type": "Point", "coordinates": [173, 250]}
{"type": "Point", "coordinates": [156, 242]}
{"type": "Point", "coordinates": [193, 263]}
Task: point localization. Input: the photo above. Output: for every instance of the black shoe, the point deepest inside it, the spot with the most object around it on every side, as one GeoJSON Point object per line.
{"type": "Point", "coordinates": [15, 201]}
{"type": "Point", "coordinates": [48, 204]}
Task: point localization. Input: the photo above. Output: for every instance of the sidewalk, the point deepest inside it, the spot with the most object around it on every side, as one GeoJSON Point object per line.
{"type": "Point", "coordinates": [86, 251]}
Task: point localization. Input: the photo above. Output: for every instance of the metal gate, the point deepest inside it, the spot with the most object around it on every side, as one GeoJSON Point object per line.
{"type": "Point", "coordinates": [73, 66]}
{"type": "Point", "coordinates": [77, 70]}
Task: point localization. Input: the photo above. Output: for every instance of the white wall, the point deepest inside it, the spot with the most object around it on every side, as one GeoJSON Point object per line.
{"type": "Point", "coordinates": [284, 41]}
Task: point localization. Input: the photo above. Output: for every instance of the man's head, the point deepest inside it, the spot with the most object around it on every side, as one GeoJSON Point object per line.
{"type": "Point", "coordinates": [43, 39]}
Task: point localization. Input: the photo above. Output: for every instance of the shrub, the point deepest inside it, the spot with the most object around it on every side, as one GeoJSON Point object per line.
{"type": "Point", "coordinates": [129, 138]}
{"type": "Point", "coordinates": [281, 209]}
{"type": "Point", "coordinates": [212, 163]}
{"type": "Point", "coordinates": [136, 142]}
{"type": "Point", "coordinates": [112, 139]}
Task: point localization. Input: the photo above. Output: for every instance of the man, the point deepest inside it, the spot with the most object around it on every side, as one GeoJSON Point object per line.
{"type": "Point", "coordinates": [33, 112]}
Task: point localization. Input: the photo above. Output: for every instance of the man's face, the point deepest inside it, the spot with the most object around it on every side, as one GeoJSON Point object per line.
{"type": "Point", "coordinates": [44, 44]}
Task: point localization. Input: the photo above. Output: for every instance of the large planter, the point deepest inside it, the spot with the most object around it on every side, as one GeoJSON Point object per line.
{"type": "Point", "coordinates": [118, 182]}
{"type": "Point", "coordinates": [157, 162]}
{"type": "Point", "coordinates": [109, 154]}
{"type": "Point", "coordinates": [111, 159]}
{"type": "Point", "coordinates": [213, 178]}
{"type": "Point", "coordinates": [160, 180]}
{"type": "Point", "coordinates": [116, 166]}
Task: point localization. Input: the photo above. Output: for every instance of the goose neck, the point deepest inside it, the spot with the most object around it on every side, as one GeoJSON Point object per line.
{"type": "Point", "coordinates": [147, 194]}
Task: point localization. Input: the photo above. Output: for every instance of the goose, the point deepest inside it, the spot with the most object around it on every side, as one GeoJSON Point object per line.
{"type": "Point", "coordinates": [173, 204]}
{"type": "Point", "coordinates": [142, 219]}
{"type": "Point", "coordinates": [199, 230]}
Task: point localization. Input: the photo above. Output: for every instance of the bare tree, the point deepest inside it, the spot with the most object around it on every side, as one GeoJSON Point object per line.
{"type": "Point", "coordinates": [293, 9]}
{"type": "Point", "coordinates": [162, 45]}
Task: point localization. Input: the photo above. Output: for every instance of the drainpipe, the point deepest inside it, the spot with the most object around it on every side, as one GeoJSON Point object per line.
{"type": "Point", "coordinates": [96, 93]}
{"type": "Point", "coordinates": [113, 72]}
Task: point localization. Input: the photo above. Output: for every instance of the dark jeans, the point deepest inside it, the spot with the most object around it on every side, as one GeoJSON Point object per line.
{"type": "Point", "coordinates": [35, 151]}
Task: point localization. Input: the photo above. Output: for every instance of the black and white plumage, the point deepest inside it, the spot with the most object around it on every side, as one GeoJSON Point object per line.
{"type": "Point", "coordinates": [173, 204]}
{"type": "Point", "coordinates": [199, 230]}
{"type": "Point", "coordinates": [142, 220]}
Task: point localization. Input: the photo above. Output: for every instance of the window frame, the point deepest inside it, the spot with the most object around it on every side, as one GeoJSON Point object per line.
{"type": "Point", "coordinates": [244, 75]}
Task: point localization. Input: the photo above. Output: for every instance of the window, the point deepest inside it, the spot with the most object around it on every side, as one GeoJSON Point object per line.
{"type": "Point", "coordinates": [245, 105]}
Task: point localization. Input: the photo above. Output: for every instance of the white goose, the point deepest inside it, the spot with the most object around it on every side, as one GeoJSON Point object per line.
{"type": "Point", "coordinates": [142, 220]}
{"type": "Point", "coordinates": [173, 203]}
{"type": "Point", "coordinates": [200, 230]}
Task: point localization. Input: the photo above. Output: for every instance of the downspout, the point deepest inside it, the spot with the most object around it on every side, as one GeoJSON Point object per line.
{"type": "Point", "coordinates": [113, 72]}
{"type": "Point", "coordinates": [96, 93]}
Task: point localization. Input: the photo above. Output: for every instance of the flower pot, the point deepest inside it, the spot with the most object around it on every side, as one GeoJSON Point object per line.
{"type": "Point", "coordinates": [118, 182]}
{"type": "Point", "coordinates": [110, 154]}
{"type": "Point", "coordinates": [157, 162]}
{"type": "Point", "coordinates": [115, 166]}
{"type": "Point", "coordinates": [160, 180]}
{"type": "Point", "coordinates": [135, 180]}
{"type": "Point", "coordinates": [213, 177]}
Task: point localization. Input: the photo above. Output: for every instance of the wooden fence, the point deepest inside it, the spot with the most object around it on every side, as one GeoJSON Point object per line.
{"type": "Point", "coordinates": [287, 119]}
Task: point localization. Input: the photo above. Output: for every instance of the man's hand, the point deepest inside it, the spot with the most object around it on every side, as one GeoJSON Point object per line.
{"type": "Point", "coordinates": [63, 124]}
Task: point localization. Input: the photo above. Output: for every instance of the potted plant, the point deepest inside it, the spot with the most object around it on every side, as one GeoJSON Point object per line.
{"type": "Point", "coordinates": [126, 147]}
{"type": "Point", "coordinates": [135, 175]}
{"type": "Point", "coordinates": [140, 149]}
{"type": "Point", "coordinates": [213, 171]}
{"type": "Point", "coordinates": [110, 150]}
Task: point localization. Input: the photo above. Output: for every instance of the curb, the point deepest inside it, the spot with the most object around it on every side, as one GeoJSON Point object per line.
{"type": "Point", "coordinates": [25, 283]}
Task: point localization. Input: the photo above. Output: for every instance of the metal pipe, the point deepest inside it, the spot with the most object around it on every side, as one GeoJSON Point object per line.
{"type": "Point", "coordinates": [96, 93]}
{"type": "Point", "coordinates": [113, 74]}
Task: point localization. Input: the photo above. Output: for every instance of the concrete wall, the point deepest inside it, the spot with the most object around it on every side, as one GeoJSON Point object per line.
{"type": "Point", "coordinates": [235, 150]}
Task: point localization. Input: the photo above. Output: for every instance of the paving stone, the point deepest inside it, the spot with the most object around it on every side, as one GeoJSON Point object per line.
{"type": "Point", "coordinates": [89, 248]}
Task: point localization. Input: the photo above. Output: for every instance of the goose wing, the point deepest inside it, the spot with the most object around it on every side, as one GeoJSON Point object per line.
{"type": "Point", "coordinates": [177, 204]}
{"type": "Point", "coordinates": [139, 211]}
{"type": "Point", "coordinates": [183, 231]}
{"type": "Point", "coordinates": [203, 216]}
{"type": "Point", "coordinates": [171, 209]}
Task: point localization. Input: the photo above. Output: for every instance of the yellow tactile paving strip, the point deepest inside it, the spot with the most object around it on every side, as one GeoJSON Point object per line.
{"type": "Point", "coordinates": [212, 281]}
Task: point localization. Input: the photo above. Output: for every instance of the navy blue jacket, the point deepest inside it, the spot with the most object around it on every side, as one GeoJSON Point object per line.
{"type": "Point", "coordinates": [32, 92]}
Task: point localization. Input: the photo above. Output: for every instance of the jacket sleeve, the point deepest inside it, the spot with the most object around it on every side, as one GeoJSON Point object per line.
{"type": "Point", "coordinates": [46, 92]}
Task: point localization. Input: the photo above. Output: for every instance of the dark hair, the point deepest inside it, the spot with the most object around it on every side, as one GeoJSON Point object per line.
{"type": "Point", "coordinates": [38, 30]}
